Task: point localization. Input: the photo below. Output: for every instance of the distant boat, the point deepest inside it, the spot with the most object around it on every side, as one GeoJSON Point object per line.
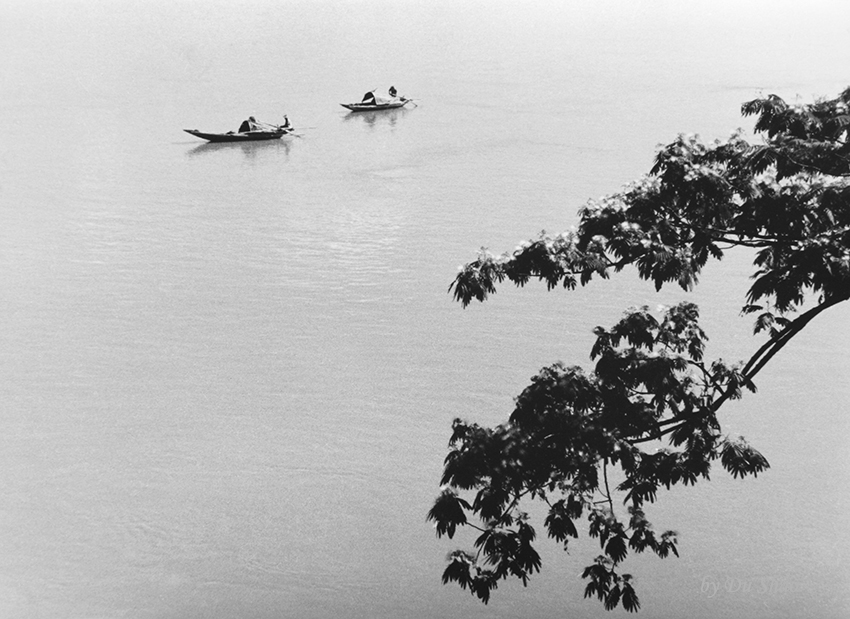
{"type": "Point", "coordinates": [249, 131]}
{"type": "Point", "coordinates": [371, 107]}
{"type": "Point", "coordinates": [230, 136]}
{"type": "Point", "coordinates": [372, 102]}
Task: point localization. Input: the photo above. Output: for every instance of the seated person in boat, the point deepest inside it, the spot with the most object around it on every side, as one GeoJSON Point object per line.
{"type": "Point", "coordinates": [286, 124]}
{"type": "Point", "coordinates": [393, 92]}
{"type": "Point", "coordinates": [369, 98]}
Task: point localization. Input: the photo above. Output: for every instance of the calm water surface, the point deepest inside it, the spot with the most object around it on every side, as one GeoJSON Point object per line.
{"type": "Point", "coordinates": [228, 373]}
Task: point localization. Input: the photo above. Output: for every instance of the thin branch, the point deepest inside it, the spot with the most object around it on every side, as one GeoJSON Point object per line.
{"type": "Point", "coordinates": [811, 166]}
{"type": "Point", "coordinates": [607, 488]}
{"type": "Point", "coordinates": [658, 436]}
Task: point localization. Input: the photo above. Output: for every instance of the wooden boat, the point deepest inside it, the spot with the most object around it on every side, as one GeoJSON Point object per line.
{"type": "Point", "coordinates": [373, 101]}
{"type": "Point", "coordinates": [371, 107]}
{"type": "Point", "coordinates": [245, 136]}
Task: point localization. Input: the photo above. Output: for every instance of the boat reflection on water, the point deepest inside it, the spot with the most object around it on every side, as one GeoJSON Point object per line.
{"type": "Point", "coordinates": [250, 149]}
{"type": "Point", "coordinates": [377, 117]}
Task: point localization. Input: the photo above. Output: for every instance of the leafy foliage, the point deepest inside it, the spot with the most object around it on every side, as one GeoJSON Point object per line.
{"type": "Point", "coordinates": [649, 405]}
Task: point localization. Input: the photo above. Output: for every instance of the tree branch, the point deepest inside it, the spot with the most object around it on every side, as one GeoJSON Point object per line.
{"type": "Point", "coordinates": [607, 488]}
{"type": "Point", "coordinates": [775, 344]}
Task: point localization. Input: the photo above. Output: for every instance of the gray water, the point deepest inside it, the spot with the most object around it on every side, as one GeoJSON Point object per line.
{"type": "Point", "coordinates": [228, 373]}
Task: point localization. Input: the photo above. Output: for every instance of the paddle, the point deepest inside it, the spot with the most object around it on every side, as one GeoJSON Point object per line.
{"type": "Point", "coordinates": [298, 135]}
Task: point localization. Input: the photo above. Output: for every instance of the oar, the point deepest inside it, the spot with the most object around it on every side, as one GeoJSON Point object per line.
{"type": "Point", "coordinates": [299, 135]}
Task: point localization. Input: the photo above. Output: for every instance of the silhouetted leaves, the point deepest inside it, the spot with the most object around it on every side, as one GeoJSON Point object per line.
{"type": "Point", "coordinates": [448, 513]}
{"type": "Point", "coordinates": [646, 412]}
{"type": "Point", "coordinates": [616, 547]}
{"type": "Point", "coordinates": [612, 599]}
{"type": "Point", "coordinates": [630, 598]}
{"type": "Point", "coordinates": [559, 523]}
{"type": "Point", "coordinates": [459, 569]}
{"type": "Point", "coordinates": [666, 545]}
{"type": "Point", "coordinates": [740, 459]}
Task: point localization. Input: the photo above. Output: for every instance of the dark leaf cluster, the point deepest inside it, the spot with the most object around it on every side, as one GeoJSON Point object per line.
{"type": "Point", "coordinates": [645, 413]}
{"type": "Point", "coordinates": [610, 587]}
{"type": "Point", "coordinates": [788, 198]}
{"type": "Point", "coordinates": [568, 428]}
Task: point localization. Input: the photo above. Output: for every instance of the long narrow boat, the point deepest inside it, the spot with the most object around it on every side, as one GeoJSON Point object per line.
{"type": "Point", "coordinates": [371, 107]}
{"type": "Point", "coordinates": [246, 136]}
{"type": "Point", "coordinates": [373, 101]}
